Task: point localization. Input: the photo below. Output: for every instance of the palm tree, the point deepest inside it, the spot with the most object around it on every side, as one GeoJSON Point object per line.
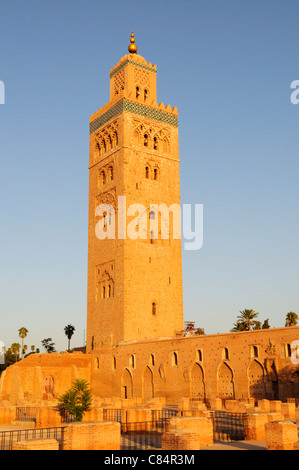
{"type": "Point", "coordinates": [15, 347]}
{"type": "Point", "coordinates": [247, 318]}
{"type": "Point", "coordinates": [22, 334]}
{"type": "Point", "coordinates": [291, 319]}
{"type": "Point", "coordinates": [239, 326]}
{"type": "Point", "coordinates": [76, 400]}
{"type": "Point", "coordinates": [69, 331]}
{"type": "Point", "coordinates": [48, 345]}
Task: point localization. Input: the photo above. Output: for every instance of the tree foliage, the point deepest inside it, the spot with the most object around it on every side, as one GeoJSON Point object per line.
{"type": "Point", "coordinates": [48, 345]}
{"type": "Point", "coordinates": [77, 400]}
{"type": "Point", "coordinates": [291, 319]}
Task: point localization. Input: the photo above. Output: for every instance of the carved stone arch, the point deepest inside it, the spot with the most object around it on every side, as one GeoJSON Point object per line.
{"type": "Point", "coordinates": [138, 91]}
{"type": "Point", "coordinates": [197, 383]}
{"type": "Point", "coordinates": [147, 383]}
{"type": "Point", "coordinates": [156, 172]}
{"type": "Point", "coordinates": [106, 198]}
{"type": "Point", "coordinates": [137, 136]}
{"type": "Point", "coordinates": [97, 150]}
{"type": "Point", "coordinates": [103, 147]}
{"type": "Point", "coordinates": [146, 94]}
{"type": "Point", "coordinates": [49, 384]}
{"type": "Point", "coordinates": [165, 145]}
{"type": "Point", "coordinates": [108, 140]}
{"type": "Point", "coordinates": [256, 380]}
{"type": "Point", "coordinates": [225, 382]}
{"type": "Point", "coordinates": [156, 141]}
{"type": "Point", "coordinates": [147, 170]}
{"type": "Point", "coordinates": [147, 139]}
{"type": "Point", "coordinates": [126, 384]}
{"type": "Point", "coordinates": [114, 137]}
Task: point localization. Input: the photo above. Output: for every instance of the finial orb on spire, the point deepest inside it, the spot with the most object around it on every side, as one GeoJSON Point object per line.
{"type": "Point", "coordinates": [132, 47]}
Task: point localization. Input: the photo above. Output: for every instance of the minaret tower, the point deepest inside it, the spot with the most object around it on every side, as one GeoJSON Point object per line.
{"type": "Point", "coordinates": [135, 276]}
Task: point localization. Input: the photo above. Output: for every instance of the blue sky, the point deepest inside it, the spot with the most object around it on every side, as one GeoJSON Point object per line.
{"type": "Point", "coordinates": [227, 66]}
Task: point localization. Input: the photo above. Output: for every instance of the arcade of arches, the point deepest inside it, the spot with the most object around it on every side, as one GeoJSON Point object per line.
{"type": "Point", "coordinates": [225, 382]}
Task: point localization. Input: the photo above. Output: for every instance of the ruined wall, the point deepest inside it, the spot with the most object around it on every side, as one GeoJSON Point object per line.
{"type": "Point", "coordinates": [43, 376]}
{"type": "Point", "coordinates": [229, 366]}
{"type": "Point", "coordinates": [254, 364]}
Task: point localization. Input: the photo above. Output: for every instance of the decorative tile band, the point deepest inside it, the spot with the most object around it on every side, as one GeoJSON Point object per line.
{"type": "Point", "coordinates": [134, 108]}
{"type": "Point", "coordinates": [136, 64]}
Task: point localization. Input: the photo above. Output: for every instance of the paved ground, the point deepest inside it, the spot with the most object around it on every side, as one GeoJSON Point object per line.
{"type": "Point", "coordinates": [237, 445]}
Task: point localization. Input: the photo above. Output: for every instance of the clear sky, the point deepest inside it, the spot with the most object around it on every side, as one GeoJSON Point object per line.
{"type": "Point", "coordinates": [228, 66]}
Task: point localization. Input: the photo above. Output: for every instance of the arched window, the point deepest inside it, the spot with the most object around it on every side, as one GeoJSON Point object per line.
{"type": "Point", "coordinates": [254, 351]}
{"type": "Point", "coordinates": [132, 362]}
{"type": "Point", "coordinates": [111, 173]}
{"type": "Point", "coordinates": [103, 292]}
{"type": "Point", "coordinates": [154, 308]}
{"type": "Point", "coordinates": [114, 362]}
{"type": "Point", "coordinates": [103, 146]}
{"type": "Point", "coordinates": [225, 354]}
{"type": "Point", "coordinates": [152, 360]}
{"type": "Point", "coordinates": [109, 143]}
{"type": "Point", "coordinates": [145, 94]}
{"type": "Point", "coordinates": [137, 92]}
{"type": "Point", "coordinates": [155, 174]}
{"type": "Point", "coordinates": [109, 291]}
{"type": "Point", "coordinates": [198, 355]}
{"type": "Point", "coordinates": [115, 138]}
{"type": "Point", "coordinates": [145, 141]}
{"type": "Point", "coordinates": [97, 363]}
{"type": "Point", "coordinates": [155, 143]}
{"type": "Point", "coordinates": [174, 359]}
{"type": "Point", "coordinates": [103, 177]}
{"type": "Point", "coordinates": [147, 172]}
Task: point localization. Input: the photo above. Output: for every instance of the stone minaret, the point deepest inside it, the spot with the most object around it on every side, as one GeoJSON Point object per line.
{"type": "Point", "coordinates": [134, 267]}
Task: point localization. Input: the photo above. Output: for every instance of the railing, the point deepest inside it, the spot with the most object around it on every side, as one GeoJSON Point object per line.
{"type": "Point", "coordinates": [111, 414]}
{"type": "Point", "coordinates": [142, 435]}
{"type": "Point", "coordinates": [228, 426]}
{"type": "Point", "coordinates": [134, 435]}
{"type": "Point", "coordinates": [26, 413]}
{"type": "Point", "coordinates": [8, 438]}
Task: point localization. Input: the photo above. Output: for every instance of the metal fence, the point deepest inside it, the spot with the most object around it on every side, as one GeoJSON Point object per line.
{"type": "Point", "coordinates": [8, 438]}
{"type": "Point", "coordinates": [111, 414]}
{"type": "Point", "coordinates": [228, 426]}
{"type": "Point", "coordinates": [134, 435]}
{"type": "Point", "coordinates": [26, 413]}
{"type": "Point", "coordinates": [142, 435]}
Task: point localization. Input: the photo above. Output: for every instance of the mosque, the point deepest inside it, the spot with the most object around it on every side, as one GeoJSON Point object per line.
{"type": "Point", "coordinates": [136, 343]}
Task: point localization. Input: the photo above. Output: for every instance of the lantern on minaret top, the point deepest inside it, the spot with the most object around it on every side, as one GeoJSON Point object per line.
{"type": "Point", "coordinates": [132, 47]}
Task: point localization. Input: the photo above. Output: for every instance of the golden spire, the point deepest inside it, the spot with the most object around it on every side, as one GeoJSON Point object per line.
{"type": "Point", "coordinates": [132, 47]}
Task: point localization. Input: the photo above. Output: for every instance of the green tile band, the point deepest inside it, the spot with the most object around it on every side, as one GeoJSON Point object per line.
{"type": "Point", "coordinates": [134, 108]}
